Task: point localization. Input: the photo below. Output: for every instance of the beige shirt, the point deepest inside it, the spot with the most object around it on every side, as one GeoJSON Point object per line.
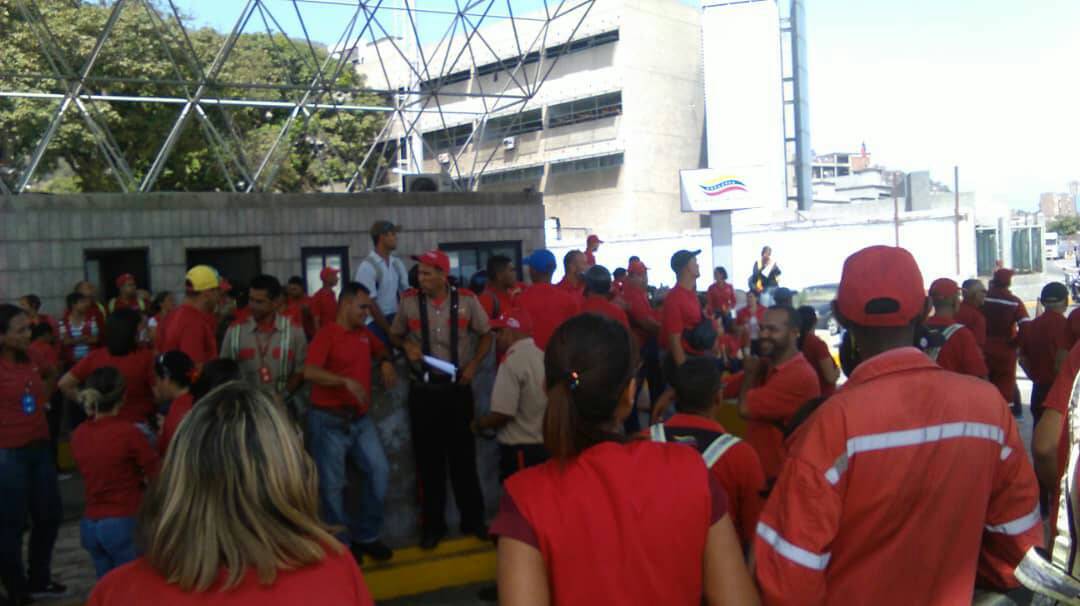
{"type": "Point", "coordinates": [253, 350]}
{"type": "Point", "coordinates": [472, 324]}
{"type": "Point", "coordinates": [519, 393]}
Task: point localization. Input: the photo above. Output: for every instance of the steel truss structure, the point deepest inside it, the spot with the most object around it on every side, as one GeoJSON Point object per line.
{"type": "Point", "coordinates": [391, 27]}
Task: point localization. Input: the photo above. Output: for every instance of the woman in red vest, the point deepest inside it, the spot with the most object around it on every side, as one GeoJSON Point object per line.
{"type": "Point", "coordinates": [608, 520]}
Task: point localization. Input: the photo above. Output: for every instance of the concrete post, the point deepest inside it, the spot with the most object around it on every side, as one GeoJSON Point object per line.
{"type": "Point", "coordinates": [722, 249]}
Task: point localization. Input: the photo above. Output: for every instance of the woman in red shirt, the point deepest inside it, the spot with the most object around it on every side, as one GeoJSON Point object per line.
{"type": "Point", "coordinates": [175, 372]}
{"type": "Point", "coordinates": [122, 352]}
{"type": "Point", "coordinates": [817, 352]}
{"type": "Point", "coordinates": [748, 320]}
{"type": "Point", "coordinates": [27, 465]}
{"type": "Point", "coordinates": [247, 534]}
{"type": "Point", "coordinates": [213, 374]}
{"type": "Point", "coordinates": [115, 461]}
{"type": "Point", "coordinates": [594, 525]}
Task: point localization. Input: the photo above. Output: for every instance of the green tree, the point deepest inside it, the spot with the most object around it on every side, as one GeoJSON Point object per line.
{"type": "Point", "coordinates": [135, 62]}
{"type": "Point", "coordinates": [1064, 226]}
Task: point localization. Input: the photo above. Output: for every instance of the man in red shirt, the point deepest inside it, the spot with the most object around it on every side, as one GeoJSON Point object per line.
{"type": "Point", "coordinates": [592, 244]}
{"type": "Point", "coordinates": [870, 494]}
{"type": "Point", "coordinates": [192, 327]}
{"type": "Point", "coordinates": [502, 290]}
{"type": "Point", "coordinates": [734, 462]}
{"type": "Point", "coordinates": [549, 306]}
{"type": "Point", "coordinates": [1043, 348]}
{"type": "Point", "coordinates": [339, 365]}
{"type": "Point", "coordinates": [128, 297]}
{"type": "Point", "coordinates": [598, 296]}
{"type": "Point", "coordinates": [645, 326]}
{"type": "Point", "coordinates": [721, 295]}
{"type": "Point", "coordinates": [298, 306]}
{"type": "Point", "coordinates": [324, 303]}
{"type": "Point", "coordinates": [1003, 312]}
{"type": "Point", "coordinates": [952, 344]}
{"type": "Point", "coordinates": [573, 282]}
{"type": "Point", "coordinates": [970, 311]}
{"type": "Point", "coordinates": [772, 392]}
{"type": "Point", "coordinates": [682, 309]}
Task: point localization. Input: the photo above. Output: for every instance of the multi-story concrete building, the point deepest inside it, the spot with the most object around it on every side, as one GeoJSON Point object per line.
{"type": "Point", "coordinates": [619, 111]}
{"type": "Point", "coordinates": [1053, 205]}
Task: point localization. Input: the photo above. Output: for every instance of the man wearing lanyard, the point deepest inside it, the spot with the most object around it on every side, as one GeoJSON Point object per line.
{"type": "Point", "coordinates": [441, 323]}
{"type": "Point", "coordinates": [268, 348]}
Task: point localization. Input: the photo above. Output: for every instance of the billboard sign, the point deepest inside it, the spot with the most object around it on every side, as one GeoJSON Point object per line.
{"type": "Point", "coordinates": [711, 189]}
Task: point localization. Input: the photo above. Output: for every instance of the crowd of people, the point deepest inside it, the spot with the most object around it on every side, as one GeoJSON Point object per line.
{"type": "Point", "coordinates": [213, 433]}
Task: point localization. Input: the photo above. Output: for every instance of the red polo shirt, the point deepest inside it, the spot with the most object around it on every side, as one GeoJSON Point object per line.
{"type": "Point", "coordinates": [597, 304]}
{"type": "Point", "coordinates": [137, 368]}
{"type": "Point", "coordinates": [324, 306]}
{"type": "Point", "coordinates": [507, 300]}
{"type": "Point", "coordinates": [115, 459]}
{"type": "Point", "coordinates": [681, 312]}
{"type": "Point", "coordinates": [18, 429]}
{"type": "Point", "coordinates": [1002, 310]}
{"type": "Point", "coordinates": [335, 580]}
{"type": "Point", "coordinates": [640, 309]}
{"type": "Point", "coordinates": [179, 409]}
{"type": "Point", "coordinates": [721, 298]}
{"type": "Point", "coordinates": [346, 353]}
{"type": "Point", "coordinates": [1073, 334]}
{"type": "Point", "coordinates": [1040, 340]}
{"type": "Point", "coordinates": [578, 292]}
{"type": "Point", "coordinates": [772, 404]}
{"type": "Point", "coordinates": [970, 316]}
{"type": "Point", "coordinates": [548, 307]}
{"type": "Point", "coordinates": [45, 354]}
{"type": "Point", "coordinates": [191, 331]}
{"type": "Point", "coordinates": [738, 471]}
{"type": "Point", "coordinates": [960, 353]}
{"type": "Point", "coordinates": [817, 351]}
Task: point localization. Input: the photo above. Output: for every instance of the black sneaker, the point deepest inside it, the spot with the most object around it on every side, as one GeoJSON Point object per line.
{"type": "Point", "coordinates": [431, 540]}
{"type": "Point", "coordinates": [376, 549]}
{"type": "Point", "coordinates": [479, 531]}
{"type": "Point", "coordinates": [51, 591]}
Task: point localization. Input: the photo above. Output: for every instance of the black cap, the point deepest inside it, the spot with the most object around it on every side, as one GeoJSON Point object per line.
{"type": "Point", "coordinates": [681, 258]}
{"type": "Point", "coordinates": [598, 280]}
{"type": "Point", "coordinates": [1054, 292]}
{"type": "Point", "coordinates": [379, 228]}
{"type": "Point", "coordinates": [783, 295]}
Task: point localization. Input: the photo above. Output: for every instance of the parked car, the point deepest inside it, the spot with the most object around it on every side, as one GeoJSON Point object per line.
{"type": "Point", "coordinates": [820, 297]}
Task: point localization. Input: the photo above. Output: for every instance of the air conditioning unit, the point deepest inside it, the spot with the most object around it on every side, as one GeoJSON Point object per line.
{"type": "Point", "coordinates": [509, 143]}
{"type": "Point", "coordinates": [426, 182]}
{"type": "Point", "coordinates": [444, 158]}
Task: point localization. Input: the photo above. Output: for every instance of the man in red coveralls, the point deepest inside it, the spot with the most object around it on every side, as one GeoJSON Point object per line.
{"type": "Point", "coordinates": [954, 347]}
{"type": "Point", "coordinates": [910, 484]}
{"type": "Point", "coordinates": [1003, 311]}
{"type": "Point", "coordinates": [970, 311]}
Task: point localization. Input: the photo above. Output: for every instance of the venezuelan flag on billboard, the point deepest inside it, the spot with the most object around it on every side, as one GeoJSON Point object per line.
{"type": "Point", "coordinates": [708, 190]}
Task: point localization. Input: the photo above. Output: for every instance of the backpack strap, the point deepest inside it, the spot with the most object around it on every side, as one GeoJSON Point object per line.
{"type": "Point", "coordinates": [718, 448]}
{"type": "Point", "coordinates": [286, 342]}
{"type": "Point", "coordinates": [951, 330]}
{"type": "Point", "coordinates": [425, 330]}
{"type": "Point", "coordinates": [234, 341]}
{"type": "Point", "coordinates": [657, 433]}
{"type": "Point", "coordinates": [377, 269]}
{"type": "Point", "coordinates": [454, 303]}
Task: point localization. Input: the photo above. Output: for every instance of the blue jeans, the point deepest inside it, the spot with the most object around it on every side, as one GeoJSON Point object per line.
{"type": "Point", "coordinates": [110, 541]}
{"type": "Point", "coordinates": [335, 439]}
{"type": "Point", "coordinates": [29, 488]}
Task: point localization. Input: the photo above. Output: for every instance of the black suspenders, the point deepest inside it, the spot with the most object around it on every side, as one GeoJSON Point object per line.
{"type": "Point", "coordinates": [425, 330]}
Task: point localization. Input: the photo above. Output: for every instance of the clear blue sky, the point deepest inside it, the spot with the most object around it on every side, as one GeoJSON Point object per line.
{"type": "Point", "coordinates": [989, 85]}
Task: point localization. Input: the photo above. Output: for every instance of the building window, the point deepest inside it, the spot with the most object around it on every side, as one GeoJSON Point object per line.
{"type": "Point", "coordinates": [529, 173]}
{"type": "Point", "coordinates": [315, 259]}
{"type": "Point", "coordinates": [507, 64]}
{"type": "Point", "coordinates": [584, 110]}
{"type": "Point", "coordinates": [467, 258]}
{"type": "Point", "coordinates": [238, 264]}
{"type": "Point", "coordinates": [515, 124]}
{"type": "Point", "coordinates": [447, 138]}
{"type": "Point", "coordinates": [447, 80]}
{"type": "Point", "coordinates": [103, 267]}
{"type": "Point", "coordinates": [579, 45]}
{"type": "Point", "coordinates": [585, 165]}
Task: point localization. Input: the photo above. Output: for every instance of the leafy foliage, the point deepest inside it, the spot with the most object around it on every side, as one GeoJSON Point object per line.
{"type": "Point", "coordinates": [1064, 226]}
{"type": "Point", "coordinates": [137, 60]}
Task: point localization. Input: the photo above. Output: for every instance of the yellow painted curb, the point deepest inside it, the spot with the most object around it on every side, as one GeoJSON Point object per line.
{"type": "Point", "coordinates": [413, 571]}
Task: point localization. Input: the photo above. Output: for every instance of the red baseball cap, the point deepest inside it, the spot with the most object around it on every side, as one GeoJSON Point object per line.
{"type": "Point", "coordinates": [943, 288]}
{"type": "Point", "coordinates": [1004, 276]}
{"type": "Point", "coordinates": [328, 272]}
{"type": "Point", "coordinates": [881, 286]}
{"type": "Point", "coordinates": [594, 238]}
{"type": "Point", "coordinates": [124, 279]}
{"type": "Point", "coordinates": [434, 258]}
{"type": "Point", "coordinates": [517, 319]}
{"type": "Point", "coordinates": [637, 268]}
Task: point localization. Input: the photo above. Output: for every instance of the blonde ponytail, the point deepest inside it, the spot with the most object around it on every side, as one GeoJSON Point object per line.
{"type": "Point", "coordinates": [90, 398]}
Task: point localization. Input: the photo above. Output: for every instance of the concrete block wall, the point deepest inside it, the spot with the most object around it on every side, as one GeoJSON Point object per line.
{"type": "Point", "coordinates": [43, 238]}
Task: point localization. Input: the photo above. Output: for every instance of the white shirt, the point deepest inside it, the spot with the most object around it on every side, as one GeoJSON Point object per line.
{"type": "Point", "coordinates": [394, 279]}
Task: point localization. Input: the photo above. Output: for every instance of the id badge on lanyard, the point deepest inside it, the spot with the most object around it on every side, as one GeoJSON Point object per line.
{"type": "Point", "coordinates": [29, 404]}
{"type": "Point", "coordinates": [264, 375]}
